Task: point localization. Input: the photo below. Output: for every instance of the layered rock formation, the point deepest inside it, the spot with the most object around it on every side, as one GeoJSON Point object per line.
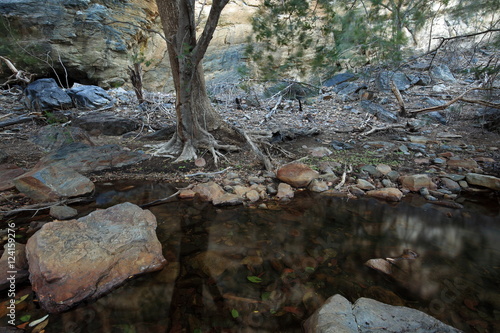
{"type": "Point", "coordinates": [94, 41]}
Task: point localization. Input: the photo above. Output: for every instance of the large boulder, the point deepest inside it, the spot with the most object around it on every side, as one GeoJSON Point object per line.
{"type": "Point", "coordinates": [46, 95]}
{"type": "Point", "coordinates": [105, 123]}
{"type": "Point", "coordinates": [90, 97]}
{"type": "Point", "coordinates": [338, 315]}
{"type": "Point", "coordinates": [78, 260]}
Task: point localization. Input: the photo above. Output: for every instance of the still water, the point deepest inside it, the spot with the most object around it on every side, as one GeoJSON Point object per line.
{"type": "Point", "coordinates": [250, 269]}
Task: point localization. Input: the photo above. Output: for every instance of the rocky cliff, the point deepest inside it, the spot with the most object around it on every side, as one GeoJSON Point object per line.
{"type": "Point", "coordinates": [94, 41]}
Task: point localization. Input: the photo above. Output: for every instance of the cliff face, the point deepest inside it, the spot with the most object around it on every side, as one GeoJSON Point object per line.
{"type": "Point", "coordinates": [94, 41]}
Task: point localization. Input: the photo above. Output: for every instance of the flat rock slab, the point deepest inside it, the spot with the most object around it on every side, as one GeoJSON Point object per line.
{"type": "Point", "coordinates": [338, 315]}
{"type": "Point", "coordinates": [77, 260]}
{"type": "Point", "coordinates": [53, 183]}
{"type": "Point", "coordinates": [106, 123]}
{"type": "Point", "coordinates": [84, 158]}
{"type": "Point", "coordinates": [53, 137]}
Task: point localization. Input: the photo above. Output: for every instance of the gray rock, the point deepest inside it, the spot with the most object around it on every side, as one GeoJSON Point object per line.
{"type": "Point", "coordinates": [451, 185]}
{"type": "Point", "coordinates": [365, 185]}
{"type": "Point", "coordinates": [370, 313]}
{"type": "Point", "coordinates": [442, 73]}
{"type": "Point", "coordinates": [335, 316]}
{"type": "Point", "coordinates": [318, 186]}
{"type": "Point", "coordinates": [348, 88]}
{"type": "Point", "coordinates": [338, 315]}
{"type": "Point", "coordinates": [393, 175]}
{"type": "Point", "coordinates": [372, 171]}
{"type": "Point", "coordinates": [105, 123]}
{"type": "Point", "coordinates": [339, 78]}
{"type": "Point", "coordinates": [52, 183]}
{"type": "Point", "coordinates": [378, 111]}
{"type": "Point", "coordinates": [400, 80]}
{"type": "Point", "coordinates": [46, 95]}
{"type": "Point", "coordinates": [338, 145]}
{"type": "Point", "coordinates": [90, 97]}
{"type": "Point", "coordinates": [62, 212]}
{"type": "Point", "coordinates": [285, 191]}
{"type": "Point", "coordinates": [80, 260]}
{"type": "Point", "coordinates": [53, 137]}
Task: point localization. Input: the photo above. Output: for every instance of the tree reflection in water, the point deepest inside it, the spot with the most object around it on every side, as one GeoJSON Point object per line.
{"type": "Point", "coordinates": [244, 269]}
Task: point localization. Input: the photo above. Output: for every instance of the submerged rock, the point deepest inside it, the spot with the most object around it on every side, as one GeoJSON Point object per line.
{"type": "Point", "coordinates": [338, 315]}
{"type": "Point", "coordinates": [78, 260]}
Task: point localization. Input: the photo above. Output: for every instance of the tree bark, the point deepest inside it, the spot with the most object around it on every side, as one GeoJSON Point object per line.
{"type": "Point", "coordinates": [197, 120]}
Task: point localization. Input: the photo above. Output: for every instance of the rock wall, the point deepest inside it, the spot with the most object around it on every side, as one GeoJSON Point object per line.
{"type": "Point", "coordinates": [94, 41]}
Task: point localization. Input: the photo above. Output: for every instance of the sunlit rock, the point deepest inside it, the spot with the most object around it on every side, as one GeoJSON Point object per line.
{"type": "Point", "coordinates": [208, 191]}
{"type": "Point", "coordinates": [78, 260]}
{"type": "Point", "coordinates": [389, 194]}
{"type": "Point", "coordinates": [285, 191]}
{"type": "Point", "coordinates": [297, 174]}
{"type": "Point", "coordinates": [416, 182]}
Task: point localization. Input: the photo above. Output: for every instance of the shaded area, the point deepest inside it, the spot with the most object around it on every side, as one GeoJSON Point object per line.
{"type": "Point", "coordinates": [266, 270]}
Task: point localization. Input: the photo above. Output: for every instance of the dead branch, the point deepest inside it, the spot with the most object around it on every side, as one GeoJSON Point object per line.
{"type": "Point", "coordinates": [388, 127]}
{"type": "Point", "coordinates": [273, 110]}
{"type": "Point", "coordinates": [481, 102]}
{"type": "Point", "coordinates": [160, 201]}
{"type": "Point", "coordinates": [397, 93]}
{"type": "Point", "coordinates": [207, 173]}
{"type": "Point", "coordinates": [18, 75]}
{"type": "Point", "coordinates": [264, 159]}
{"type": "Point", "coordinates": [43, 206]}
{"type": "Point", "coordinates": [135, 74]}
{"type": "Point", "coordinates": [444, 106]}
{"type": "Point", "coordinates": [18, 120]}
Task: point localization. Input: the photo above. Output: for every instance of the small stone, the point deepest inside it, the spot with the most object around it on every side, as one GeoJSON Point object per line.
{"type": "Point", "coordinates": [318, 186]}
{"type": "Point", "coordinates": [372, 171]}
{"type": "Point", "coordinates": [389, 194]}
{"type": "Point", "coordinates": [200, 162]}
{"type": "Point", "coordinates": [62, 212]}
{"type": "Point", "coordinates": [454, 177]}
{"type": "Point", "coordinates": [451, 185]}
{"type": "Point", "coordinates": [357, 191]}
{"type": "Point", "coordinates": [256, 180]}
{"type": "Point", "coordinates": [387, 183]}
{"type": "Point", "coordinates": [365, 185]}
{"type": "Point", "coordinates": [253, 195]}
{"type": "Point", "coordinates": [384, 169]}
{"type": "Point", "coordinates": [465, 164]}
{"type": "Point", "coordinates": [271, 189]}
{"type": "Point", "coordinates": [393, 176]}
{"type": "Point", "coordinates": [186, 194]}
{"type": "Point", "coordinates": [439, 161]}
{"type": "Point", "coordinates": [285, 191]}
{"type": "Point", "coordinates": [227, 199]}
{"type": "Point", "coordinates": [416, 182]}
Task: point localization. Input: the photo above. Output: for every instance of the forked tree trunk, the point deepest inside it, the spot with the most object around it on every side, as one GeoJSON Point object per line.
{"type": "Point", "coordinates": [197, 120]}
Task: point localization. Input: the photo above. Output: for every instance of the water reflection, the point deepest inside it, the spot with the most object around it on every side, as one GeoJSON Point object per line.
{"type": "Point", "coordinates": [245, 269]}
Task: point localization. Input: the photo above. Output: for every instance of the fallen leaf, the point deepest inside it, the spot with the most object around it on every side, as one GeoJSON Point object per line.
{"type": "Point", "coordinates": [254, 279]}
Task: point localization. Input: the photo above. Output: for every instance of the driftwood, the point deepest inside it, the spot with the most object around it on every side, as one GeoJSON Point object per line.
{"type": "Point", "coordinates": [160, 201]}
{"type": "Point", "coordinates": [43, 206]}
{"type": "Point", "coordinates": [18, 120]}
{"type": "Point", "coordinates": [397, 93]}
{"type": "Point", "coordinates": [388, 127]}
{"type": "Point", "coordinates": [456, 99]}
{"type": "Point", "coordinates": [18, 75]}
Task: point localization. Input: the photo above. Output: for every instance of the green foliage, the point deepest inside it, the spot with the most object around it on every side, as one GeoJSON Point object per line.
{"type": "Point", "coordinates": [298, 37]}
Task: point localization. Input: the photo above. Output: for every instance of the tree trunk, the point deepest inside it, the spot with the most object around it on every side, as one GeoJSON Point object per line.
{"type": "Point", "coordinates": [197, 120]}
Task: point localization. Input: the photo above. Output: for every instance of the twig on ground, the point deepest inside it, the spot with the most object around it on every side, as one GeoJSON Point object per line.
{"type": "Point", "coordinates": [160, 201]}
{"type": "Point", "coordinates": [388, 127]}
